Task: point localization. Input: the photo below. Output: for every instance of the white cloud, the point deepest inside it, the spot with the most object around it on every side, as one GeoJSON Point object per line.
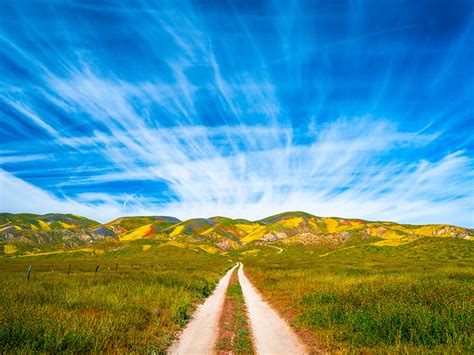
{"type": "Point", "coordinates": [16, 158]}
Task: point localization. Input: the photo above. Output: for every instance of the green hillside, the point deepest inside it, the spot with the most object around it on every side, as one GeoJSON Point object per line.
{"type": "Point", "coordinates": [126, 224]}
{"type": "Point", "coordinates": [13, 223]}
{"type": "Point", "coordinates": [29, 233]}
{"type": "Point", "coordinates": [20, 233]}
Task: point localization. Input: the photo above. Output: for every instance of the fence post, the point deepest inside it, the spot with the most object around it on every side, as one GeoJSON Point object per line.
{"type": "Point", "coordinates": [97, 268]}
{"type": "Point", "coordinates": [69, 270]}
{"type": "Point", "coordinates": [28, 274]}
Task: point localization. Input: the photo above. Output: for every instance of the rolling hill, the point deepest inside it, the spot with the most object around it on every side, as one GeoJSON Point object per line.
{"type": "Point", "coordinates": [10, 222]}
{"type": "Point", "coordinates": [31, 233]}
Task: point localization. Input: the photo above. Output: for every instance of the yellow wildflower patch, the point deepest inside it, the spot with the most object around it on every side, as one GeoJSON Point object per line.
{"type": "Point", "coordinates": [137, 233]}
{"type": "Point", "coordinates": [292, 222]}
{"type": "Point", "coordinates": [331, 225]}
{"type": "Point", "coordinates": [258, 233]}
{"type": "Point", "coordinates": [390, 234]}
{"type": "Point", "coordinates": [392, 238]}
{"type": "Point", "coordinates": [44, 225]}
{"type": "Point", "coordinates": [176, 231]}
{"type": "Point", "coordinates": [392, 242]}
{"type": "Point", "coordinates": [67, 225]}
{"type": "Point", "coordinates": [247, 228]}
{"type": "Point", "coordinates": [146, 247]}
{"type": "Point", "coordinates": [3, 228]}
{"type": "Point", "coordinates": [9, 249]}
{"type": "Point", "coordinates": [207, 231]}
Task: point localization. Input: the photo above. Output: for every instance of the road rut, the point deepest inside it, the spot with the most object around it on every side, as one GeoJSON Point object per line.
{"type": "Point", "coordinates": [271, 334]}
{"type": "Point", "coordinates": [200, 335]}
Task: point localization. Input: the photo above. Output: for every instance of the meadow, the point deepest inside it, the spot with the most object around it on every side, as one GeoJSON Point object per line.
{"type": "Point", "coordinates": [140, 296]}
{"type": "Point", "coordinates": [416, 297]}
{"type": "Point", "coordinates": [135, 296]}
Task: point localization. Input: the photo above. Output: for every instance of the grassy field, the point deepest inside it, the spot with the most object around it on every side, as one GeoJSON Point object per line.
{"type": "Point", "coordinates": [416, 297]}
{"type": "Point", "coordinates": [136, 301]}
{"type": "Point", "coordinates": [354, 297]}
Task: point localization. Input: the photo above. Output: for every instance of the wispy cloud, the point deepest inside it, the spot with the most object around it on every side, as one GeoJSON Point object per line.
{"type": "Point", "coordinates": [10, 159]}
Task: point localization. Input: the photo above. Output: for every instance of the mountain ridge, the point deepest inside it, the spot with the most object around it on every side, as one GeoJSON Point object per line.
{"type": "Point", "coordinates": [53, 231]}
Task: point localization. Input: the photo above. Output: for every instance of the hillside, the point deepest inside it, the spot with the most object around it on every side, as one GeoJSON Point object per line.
{"type": "Point", "coordinates": [10, 222]}
{"type": "Point", "coordinates": [33, 233]}
{"type": "Point", "coordinates": [26, 231]}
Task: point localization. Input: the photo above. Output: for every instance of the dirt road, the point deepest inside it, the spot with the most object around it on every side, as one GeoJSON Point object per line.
{"type": "Point", "coordinates": [199, 336]}
{"type": "Point", "coordinates": [280, 250]}
{"type": "Point", "coordinates": [271, 334]}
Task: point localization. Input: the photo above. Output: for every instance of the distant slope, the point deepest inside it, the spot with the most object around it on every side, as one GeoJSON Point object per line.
{"type": "Point", "coordinates": [215, 234]}
{"type": "Point", "coordinates": [306, 228]}
{"type": "Point", "coordinates": [301, 227]}
{"type": "Point", "coordinates": [126, 224]}
{"type": "Point", "coordinates": [26, 231]}
{"type": "Point", "coordinates": [47, 222]}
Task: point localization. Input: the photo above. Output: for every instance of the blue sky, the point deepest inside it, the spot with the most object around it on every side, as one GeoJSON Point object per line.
{"type": "Point", "coordinates": [238, 108]}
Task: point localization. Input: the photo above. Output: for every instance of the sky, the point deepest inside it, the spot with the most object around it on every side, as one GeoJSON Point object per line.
{"type": "Point", "coordinates": [359, 109]}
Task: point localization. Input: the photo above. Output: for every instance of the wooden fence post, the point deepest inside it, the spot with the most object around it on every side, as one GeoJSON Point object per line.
{"type": "Point", "coordinates": [97, 268]}
{"type": "Point", "coordinates": [28, 274]}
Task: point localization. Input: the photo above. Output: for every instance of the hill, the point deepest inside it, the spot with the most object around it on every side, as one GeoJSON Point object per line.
{"type": "Point", "coordinates": [34, 233]}
{"type": "Point", "coordinates": [130, 228]}
{"type": "Point", "coordinates": [26, 231]}
{"type": "Point", "coordinates": [27, 221]}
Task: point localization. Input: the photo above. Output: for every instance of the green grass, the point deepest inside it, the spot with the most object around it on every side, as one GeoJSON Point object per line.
{"type": "Point", "coordinates": [242, 343]}
{"type": "Point", "coordinates": [415, 297]}
{"type": "Point", "coordinates": [137, 308]}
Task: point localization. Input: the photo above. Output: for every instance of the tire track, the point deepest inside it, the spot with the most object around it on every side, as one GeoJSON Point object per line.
{"type": "Point", "coordinates": [200, 335]}
{"type": "Point", "coordinates": [271, 334]}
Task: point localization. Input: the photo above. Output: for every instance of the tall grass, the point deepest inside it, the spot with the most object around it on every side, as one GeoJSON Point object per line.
{"type": "Point", "coordinates": [135, 308]}
{"type": "Point", "coordinates": [416, 297]}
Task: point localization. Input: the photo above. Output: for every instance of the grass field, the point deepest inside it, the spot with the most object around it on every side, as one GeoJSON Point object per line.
{"type": "Point", "coordinates": [416, 297]}
{"type": "Point", "coordinates": [355, 297]}
{"type": "Point", "coordinates": [140, 296]}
